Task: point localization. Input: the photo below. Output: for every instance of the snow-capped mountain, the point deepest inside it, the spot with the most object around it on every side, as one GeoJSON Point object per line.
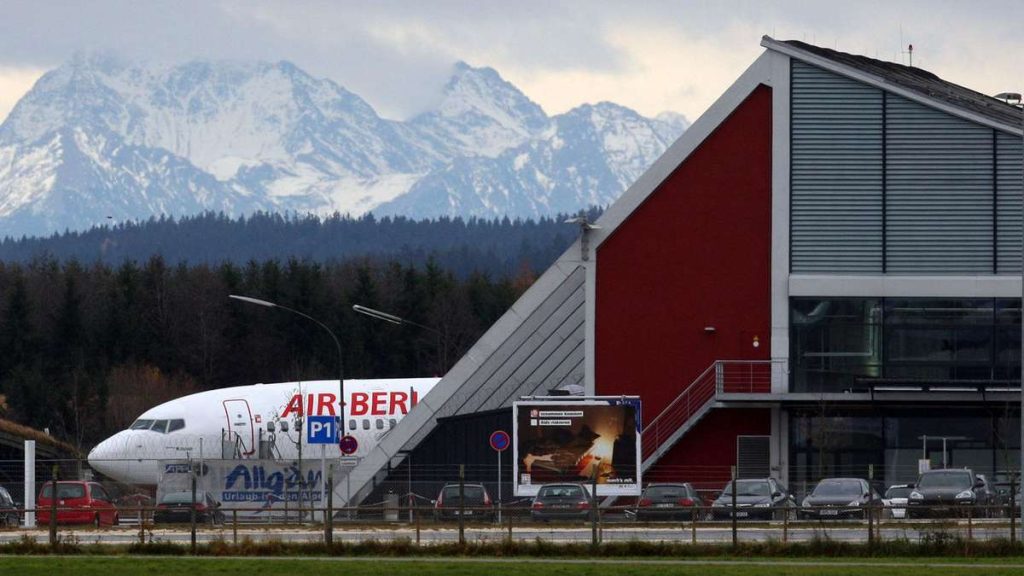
{"type": "Point", "coordinates": [99, 139]}
{"type": "Point", "coordinates": [587, 157]}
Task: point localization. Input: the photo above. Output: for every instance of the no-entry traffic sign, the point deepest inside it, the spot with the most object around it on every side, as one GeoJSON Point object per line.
{"type": "Point", "coordinates": [348, 445]}
{"type": "Point", "coordinates": [500, 441]}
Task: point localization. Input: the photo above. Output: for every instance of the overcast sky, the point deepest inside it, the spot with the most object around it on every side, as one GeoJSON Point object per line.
{"type": "Point", "coordinates": [651, 56]}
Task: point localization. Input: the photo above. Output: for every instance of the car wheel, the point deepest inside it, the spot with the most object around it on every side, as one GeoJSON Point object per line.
{"type": "Point", "coordinates": [96, 521]}
{"type": "Point", "coordinates": [116, 521]}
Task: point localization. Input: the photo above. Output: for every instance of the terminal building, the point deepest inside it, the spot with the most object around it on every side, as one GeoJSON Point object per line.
{"type": "Point", "coordinates": [822, 277]}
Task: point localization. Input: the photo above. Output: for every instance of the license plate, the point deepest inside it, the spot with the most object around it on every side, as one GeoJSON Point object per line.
{"type": "Point", "coordinates": [742, 514]}
{"type": "Point", "coordinates": [559, 505]}
{"type": "Point", "coordinates": [829, 512]}
{"type": "Point", "coordinates": [467, 513]}
{"type": "Point", "coordinates": [665, 505]}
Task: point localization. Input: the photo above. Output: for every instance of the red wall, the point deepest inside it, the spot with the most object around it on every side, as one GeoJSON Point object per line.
{"type": "Point", "coordinates": [705, 455]}
{"type": "Point", "coordinates": [696, 253]}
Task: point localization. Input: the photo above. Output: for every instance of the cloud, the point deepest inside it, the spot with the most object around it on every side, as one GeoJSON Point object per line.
{"type": "Point", "coordinates": [14, 82]}
{"type": "Point", "coordinates": [655, 55]}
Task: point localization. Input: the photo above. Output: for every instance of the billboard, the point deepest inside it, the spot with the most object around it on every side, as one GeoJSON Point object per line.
{"type": "Point", "coordinates": [571, 441]}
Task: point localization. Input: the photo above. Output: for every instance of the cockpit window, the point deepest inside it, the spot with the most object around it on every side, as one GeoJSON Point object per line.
{"type": "Point", "coordinates": [142, 425]}
{"type": "Point", "coordinates": [160, 426]}
{"type": "Point", "coordinates": [176, 424]}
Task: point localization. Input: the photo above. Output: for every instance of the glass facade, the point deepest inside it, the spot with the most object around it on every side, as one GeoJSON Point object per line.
{"type": "Point", "coordinates": [841, 344]}
{"type": "Point", "coordinates": [886, 445]}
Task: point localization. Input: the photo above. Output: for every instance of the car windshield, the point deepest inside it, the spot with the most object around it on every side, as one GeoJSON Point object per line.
{"type": "Point", "coordinates": [64, 491]}
{"type": "Point", "coordinates": [838, 488]}
{"type": "Point", "coordinates": [475, 492]}
{"type": "Point", "coordinates": [142, 425]}
{"type": "Point", "coordinates": [181, 497]}
{"type": "Point", "coordinates": [748, 488]}
{"type": "Point", "coordinates": [560, 492]}
{"type": "Point", "coordinates": [898, 492]}
{"type": "Point", "coordinates": [960, 480]}
{"type": "Point", "coordinates": [666, 492]}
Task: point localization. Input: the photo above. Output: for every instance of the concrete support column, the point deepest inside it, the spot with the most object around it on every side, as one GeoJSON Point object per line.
{"type": "Point", "coordinates": [779, 457]}
{"type": "Point", "coordinates": [30, 483]}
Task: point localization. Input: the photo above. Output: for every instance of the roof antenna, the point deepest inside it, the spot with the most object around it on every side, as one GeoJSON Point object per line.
{"type": "Point", "coordinates": [910, 54]}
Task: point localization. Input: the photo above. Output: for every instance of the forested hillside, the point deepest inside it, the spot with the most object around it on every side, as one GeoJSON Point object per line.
{"type": "Point", "coordinates": [497, 247]}
{"type": "Point", "coordinates": [87, 347]}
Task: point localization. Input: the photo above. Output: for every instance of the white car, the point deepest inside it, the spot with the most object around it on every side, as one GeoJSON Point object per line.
{"type": "Point", "coordinates": [895, 500]}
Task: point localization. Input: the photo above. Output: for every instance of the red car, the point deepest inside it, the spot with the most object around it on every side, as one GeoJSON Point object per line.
{"type": "Point", "coordinates": [77, 503]}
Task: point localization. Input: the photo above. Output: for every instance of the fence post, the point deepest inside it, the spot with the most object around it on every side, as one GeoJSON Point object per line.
{"type": "Point", "coordinates": [735, 539]}
{"type": "Point", "coordinates": [869, 512]}
{"type": "Point", "coordinates": [329, 517]}
{"type": "Point", "coordinates": [416, 514]}
{"type": "Point", "coordinates": [55, 473]}
{"type": "Point", "coordinates": [970, 523]}
{"type": "Point", "coordinates": [593, 508]}
{"type": "Point", "coordinates": [785, 525]}
{"type": "Point", "coordinates": [462, 504]}
{"type": "Point", "coordinates": [693, 526]}
{"type": "Point", "coordinates": [192, 514]}
{"type": "Point", "coordinates": [234, 526]}
{"type": "Point", "coordinates": [509, 515]}
{"type": "Point", "coordinates": [1013, 513]}
{"type": "Point", "coordinates": [142, 525]}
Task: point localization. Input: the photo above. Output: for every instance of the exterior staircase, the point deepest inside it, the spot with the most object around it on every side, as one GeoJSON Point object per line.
{"type": "Point", "coordinates": [720, 380]}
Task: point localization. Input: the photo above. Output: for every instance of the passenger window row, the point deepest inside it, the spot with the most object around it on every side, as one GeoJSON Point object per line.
{"type": "Point", "coordinates": [379, 423]}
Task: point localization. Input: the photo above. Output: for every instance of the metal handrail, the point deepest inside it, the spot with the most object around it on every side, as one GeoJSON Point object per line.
{"type": "Point", "coordinates": [721, 377]}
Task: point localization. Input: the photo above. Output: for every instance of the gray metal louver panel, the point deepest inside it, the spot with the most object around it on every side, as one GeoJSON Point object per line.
{"type": "Point", "coordinates": [753, 456]}
{"type": "Point", "coordinates": [939, 192]}
{"type": "Point", "coordinates": [836, 178]}
{"type": "Point", "coordinates": [1008, 184]}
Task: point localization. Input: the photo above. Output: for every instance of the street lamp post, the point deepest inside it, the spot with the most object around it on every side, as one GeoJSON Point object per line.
{"type": "Point", "coordinates": [341, 366]}
{"type": "Point", "coordinates": [391, 318]}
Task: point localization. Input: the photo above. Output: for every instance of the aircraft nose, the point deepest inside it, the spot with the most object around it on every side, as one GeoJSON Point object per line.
{"type": "Point", "coordinates": [108, 457]}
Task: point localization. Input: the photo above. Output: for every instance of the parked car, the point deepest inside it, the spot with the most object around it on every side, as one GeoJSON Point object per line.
{"type": "Point", "coordinates": [476, 502]}
{"type": "Point", "coordinates": [561, 502]}
{"type": "Point", "coordinates": [836, 498]}
{"type": "Point", "coordinates": [668, 502]}
{"type": "Point", "coordinates": [895, 500]}
{"type": "Point", "coordinates": [175, 507]}
{"type": "Point", "coordinates": [756, 499]}
{"type": "Point", "coordinates": [995, 503]}
{"type": "Point", "coordinates": [948, 492]}
{"type": "Point", "coordinates": [78, 502]}
{"type": "Point", "coordinates": [9, 509]}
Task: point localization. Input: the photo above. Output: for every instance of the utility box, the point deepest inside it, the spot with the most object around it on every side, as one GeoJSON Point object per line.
{"type": "Point", "coordinates": [391, 506]}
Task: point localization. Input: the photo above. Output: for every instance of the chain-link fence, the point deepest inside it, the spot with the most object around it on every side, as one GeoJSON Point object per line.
{"type": "Point", "coordinates": [444, 504]}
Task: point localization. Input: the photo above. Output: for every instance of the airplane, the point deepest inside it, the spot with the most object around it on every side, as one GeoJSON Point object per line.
{"type": "Point", "coordinates": [250, 422]}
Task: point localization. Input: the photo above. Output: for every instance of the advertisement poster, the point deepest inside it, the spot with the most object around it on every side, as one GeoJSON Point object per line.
{"type": "Point", "coordinates": [256, 488]}
{"type": "Point", "coordinates": [572, 441]}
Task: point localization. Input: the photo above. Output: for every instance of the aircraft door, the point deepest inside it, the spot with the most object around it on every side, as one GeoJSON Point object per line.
{"type": "Point", "coordinates": [239, 419]}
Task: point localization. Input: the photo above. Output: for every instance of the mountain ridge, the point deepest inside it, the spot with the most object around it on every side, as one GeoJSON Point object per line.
{"type": "Point", "coordinates": [102, 139]}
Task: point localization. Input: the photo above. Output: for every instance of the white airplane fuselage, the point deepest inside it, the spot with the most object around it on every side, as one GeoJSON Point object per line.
{"type": "Point", "coordinates": [236, 422]}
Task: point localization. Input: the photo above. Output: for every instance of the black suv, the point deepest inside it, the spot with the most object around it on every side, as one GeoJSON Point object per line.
{"type": "Point", "coordinates": [760, 499]}
{"type": "Point", "coordinates": [949, 492]}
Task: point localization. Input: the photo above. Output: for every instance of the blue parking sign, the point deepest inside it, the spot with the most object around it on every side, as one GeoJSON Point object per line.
{"type": "Point", "coordinates": [321, 430]}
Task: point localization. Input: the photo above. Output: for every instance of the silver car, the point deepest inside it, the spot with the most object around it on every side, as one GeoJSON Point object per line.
{"type": "Point", "coordinates": [895, 500]}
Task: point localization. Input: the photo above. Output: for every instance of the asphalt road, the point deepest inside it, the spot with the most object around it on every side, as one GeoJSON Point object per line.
{"type": "Point", "coordinates": [719, 533]}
